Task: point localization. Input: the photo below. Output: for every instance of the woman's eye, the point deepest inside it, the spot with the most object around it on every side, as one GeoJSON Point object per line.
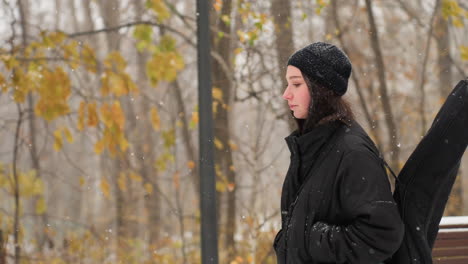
{"type": "Point", "coordinates": [297, 84]}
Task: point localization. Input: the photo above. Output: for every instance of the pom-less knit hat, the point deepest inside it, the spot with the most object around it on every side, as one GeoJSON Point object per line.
{"type": "Point", "coordinates": [324, 63]}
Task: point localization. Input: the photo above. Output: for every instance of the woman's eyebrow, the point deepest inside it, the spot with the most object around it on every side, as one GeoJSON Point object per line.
{"type": "Point", "coordinates": [294, 77]}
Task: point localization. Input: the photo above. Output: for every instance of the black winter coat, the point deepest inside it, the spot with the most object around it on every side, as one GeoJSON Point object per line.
{"type": "Point", "coordinates": [336, 207]}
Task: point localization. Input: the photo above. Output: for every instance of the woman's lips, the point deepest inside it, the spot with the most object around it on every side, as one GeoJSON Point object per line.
{"type": "Point", "coordinates": [292, 106]}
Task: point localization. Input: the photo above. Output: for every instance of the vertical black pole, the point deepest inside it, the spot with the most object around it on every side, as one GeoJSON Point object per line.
{"type": "Point", "coordinates": [209, 239]}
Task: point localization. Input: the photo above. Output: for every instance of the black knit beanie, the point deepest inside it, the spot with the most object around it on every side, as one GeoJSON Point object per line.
{"type": "Point", "coordinates": [324, 63]}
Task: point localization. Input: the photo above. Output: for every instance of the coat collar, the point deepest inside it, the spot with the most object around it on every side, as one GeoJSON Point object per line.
{"type": "Point", "coordinates": [301, 145]}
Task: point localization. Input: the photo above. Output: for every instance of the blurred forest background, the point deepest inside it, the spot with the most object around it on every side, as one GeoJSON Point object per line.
{"type": "Point", "coordinates": [98, 103]}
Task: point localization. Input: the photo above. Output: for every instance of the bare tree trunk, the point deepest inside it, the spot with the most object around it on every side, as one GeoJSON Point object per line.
{"type": "Point", "coordinates": [362, 100]}
{"type": "Point", "coordinates": [441, 33]}
{"type": "Point", "coordinates": [455, 203]}
{"type": "Point", "coordinates": [281, 13]}
{"type": "Point", "coordinates": [58, 12]}
{"type": "Point", "coordinates": [110, 13]}
{"type": "Point", "coordinates": [392, 133]}
{"type": "Point", "coordinates": [2, 249]}
{"type": "Point", "coordinates": [89, 25]}
{"type": "Point", "coordinates": [42, 237]}
{"type": "Point", "coordinates": [76, 26]}
{"type": "Point", "coordinates": [16, 190]}
{"type": "Point", "coordinates": [77, 208]}
{"type": "Point", "coordinates": [422, 103]}
{"type": "Point", "coordinates": [223, 155]}
{"type": "Point", "coordinates": [146, 144]}
{"type": "Point", "coordinates": [188, 142]}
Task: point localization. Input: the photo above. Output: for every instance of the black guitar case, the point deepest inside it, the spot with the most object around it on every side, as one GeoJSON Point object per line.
{"type": "Point", "coordinates": [425, 181]}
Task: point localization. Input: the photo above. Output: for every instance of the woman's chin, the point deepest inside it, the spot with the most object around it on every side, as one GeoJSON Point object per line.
{"type": "Point", "coordinates": [300, 116]}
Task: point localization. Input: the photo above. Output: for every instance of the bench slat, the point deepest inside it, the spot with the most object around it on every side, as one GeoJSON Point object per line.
{"type": "Point", "coordinates": [444, 243]}
{"type": "Point", "coordinates": [454, 251]}
{"type": "Point", "coordinates": [450, 260]}
{"type": "Point", "coordinates": [452, 234]}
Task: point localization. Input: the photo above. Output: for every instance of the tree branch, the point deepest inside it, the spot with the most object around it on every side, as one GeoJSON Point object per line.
{"type": "Point", "coordinates": [214, 54]}
{"type": "Point", "coordinates": [392, 133]}
{"type": "Point", "coordinates": [423, 70]}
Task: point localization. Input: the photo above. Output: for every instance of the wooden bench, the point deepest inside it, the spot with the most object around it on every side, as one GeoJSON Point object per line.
{"type": "Point", "coordinates": [451, 245]}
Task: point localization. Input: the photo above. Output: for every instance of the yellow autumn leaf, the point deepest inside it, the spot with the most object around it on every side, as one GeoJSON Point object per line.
{"type": "Point", "coordinates": [89, 58]}
{"type": "Point", "coordinates": [143, 33]}
{"type": "Point", "coordinates": [54, 90]}
{"type": "Point", "coordinates": [3, 84]}
{"type": "Point", "coordinates": [123, 143]}
{"type": "Point", "coordinates": [215, 107]}
{"type": "Point", "coordinates": [194, 121]}
{"type": "Point", "coordinates": [233, 146]}
{"type": "Point", "coordinates": [105, 188]}
{"type": "Point", "coordinates": [464, 52]}
{"type": "Point", "coordinates": [82, 181]}
{"type": "Point", "coordinates": [112, 115]}
{"type": "Point", "coordinates": [148, 188]}
{"type": "Point", "coordinates": [58, 141]}
{"type": "Point", "coordinates": [117, 84]}
{"type": "Point", "coordinates": [56, 37]}
{"type": "Point", "coordinates": [10, 61]}
{"type": "Point", "coordinates": [68, 135]}
{"type": "Point", "coordinates": [168, 138]}
{"type": "Point", "coordinates": [105, 87]}
{"type": "Point", "coordinates": [99, 146]}
{"type": "Point", "coordinates": [217, 5]}
{"type": "Point", "coordinates": [239, 259]}
{"type": "Point", "coordinates": [92, 115]}
{"type": "Point", "coordinates": [450, 8]}
{"type": "Point", "coordinates": [21, 85]}
{"type": "Point", "coordinates": [113, 83]}
{"type": "Point", "coordinates": [159, 7]}
{"type": "Point", "coordinates": [220, 186]}
{"type": "Point", "coordinates": [241, 35]}
{"type": "Point", "coordinates": [115, 62]}
{"type": "Point", "coordinates": [231, 186]}
{"type": "Point", "coordinates": [81, 116]}
{"type": "Point", "coordinates": [155, 121]}
{"type": "Point", "coordinates": [130, 85]}
{"type": "Point", "coordinates": [41, 206]}
{"type": "Point", "coordinates": [38, 184]}
{"type": "Point", "coordinates": [217, 94]}
{"type": "Point", "coordinates": [122, 182]}
{"type": "Point", "coordinates": [190, 164]}
{"type": "Point", "coordinates": [218, 144]}
{"type": "Point", "coordinates": [457, 22]}
{"type": "Point", "coordinates": [132, 175]}
{"type": "Point", "coordinates": [118, 114]}
{"type": "Point", "coordinates": [70, 53]}
{"type": "Point", "coordinates": [167, 44]}
{"type": "Point", "coordinates": [164, 66]}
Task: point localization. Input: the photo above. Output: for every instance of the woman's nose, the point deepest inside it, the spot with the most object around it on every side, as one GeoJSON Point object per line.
{"type": "Point", "coordinates": [287, 94]}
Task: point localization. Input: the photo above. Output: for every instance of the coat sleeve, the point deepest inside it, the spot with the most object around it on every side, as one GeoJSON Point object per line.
{"type": "Point", "coordinates": [374, 231]}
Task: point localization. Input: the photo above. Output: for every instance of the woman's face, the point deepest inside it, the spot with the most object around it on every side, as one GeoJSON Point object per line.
{"type": "Point", "coordinates": [297, 93]}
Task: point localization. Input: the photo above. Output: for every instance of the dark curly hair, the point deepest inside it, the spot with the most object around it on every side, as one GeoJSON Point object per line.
{"type": "Point", "coordinates": [325, 106]}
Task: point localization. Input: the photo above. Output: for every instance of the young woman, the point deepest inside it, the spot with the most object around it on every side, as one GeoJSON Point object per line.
{"type": "Point", "coordinates": [336, 201]}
